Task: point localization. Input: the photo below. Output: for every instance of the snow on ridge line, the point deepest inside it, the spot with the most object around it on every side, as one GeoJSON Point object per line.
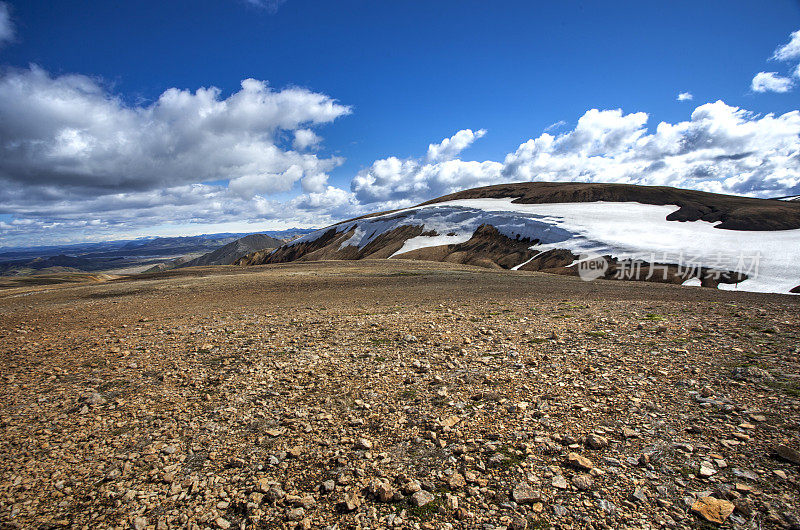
{"type": "Point", "coordinates": [625, 230]}
{"type": "Point", "coordinates": [402, 215]}
{"type": "Point", "coordinates": [634, 230]}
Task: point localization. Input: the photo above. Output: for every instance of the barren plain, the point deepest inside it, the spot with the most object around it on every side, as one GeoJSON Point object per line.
{"type": "Point", "coordinates": [396, 394]}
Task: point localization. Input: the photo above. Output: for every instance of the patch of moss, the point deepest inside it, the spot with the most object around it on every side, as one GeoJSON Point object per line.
{"type": "Point", "coordinates": [424, 513]}
{"type": "Point", "coordinates": [408, 394]}
{"type": "Point", "coordinates": [513, 458]}
{"type": "Point", "coordinates": [788, 388]}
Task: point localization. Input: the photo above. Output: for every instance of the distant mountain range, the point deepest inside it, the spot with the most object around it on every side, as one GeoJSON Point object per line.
{"type": "Point", "coordinates": [115, 255]}
{"type": "Point", "coordinates": [659, 233]}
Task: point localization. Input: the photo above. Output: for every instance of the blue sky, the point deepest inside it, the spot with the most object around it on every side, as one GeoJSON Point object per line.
{"type": "Point", "coordinates": [409, 74]}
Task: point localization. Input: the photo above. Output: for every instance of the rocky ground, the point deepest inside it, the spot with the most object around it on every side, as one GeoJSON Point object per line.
{"type": "Point", "coordinates": [396, 395]}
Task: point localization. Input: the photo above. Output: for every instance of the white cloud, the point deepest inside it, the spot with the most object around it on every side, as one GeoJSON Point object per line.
{"type": "Point", "coordinates": [722, 149]}
{"type": "Point", "coordinates": [450, 148]}
{"type": "Point", "coordinates": [248, 186]}
{"type": "Point", "coordinates": [76, 159]}
{"type": "Point", "coordinates": [790, 50]}
{"type": "Point", "coordinates": [402, 182]}
{"type": "Point", "coordinates": [195, 208]}
{"type": "Point", "coordinates": [685, 96]}
{"type": "Point", "coordinates": [305, 138]}
{"type": "Point", "coordinates": [70, 135]}
{"type": "Point", "coordinates": [770, 82]}
{"type": "Point", "coordinates": [329, 200]}
{"type": "Point", "coordinates": [408, 181]}
{"type": "Point", "coordinates": [6, 26]}
{"type": "Point", "coordinates": [70, 150]}
{"type": "Point", "coordinates": [314, 183]}
{"type": "Point", "coordinates": [556, 125]}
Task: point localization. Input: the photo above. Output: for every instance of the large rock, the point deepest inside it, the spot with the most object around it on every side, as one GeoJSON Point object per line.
{"type": "Point", "coordinates": [455, 481]}
{"type": "Point", "coordinates": [788, 454]}
{"type": "Point", "coordinates": [381, 490]}
{"type": "Point", "coordinates": [712, 509]}
{"type": "Point", "coordinates": [348, 502]}
{"type": "Point", "coordinates": [422, 498]}
{"type": "Point", "coordinates": [582, 481]}
{"type": "Point", "coordinates": [524, 494]}
{"type": "Point", "coordinates": [581, 462]}
{"type": "Point", "coordinates": [596, 442]}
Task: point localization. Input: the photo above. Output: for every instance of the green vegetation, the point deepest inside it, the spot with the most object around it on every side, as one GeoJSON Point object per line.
{"type": "Point", "coordinates": [513, 457]}
{"type": "Point", "coordinates": [424, 513]}
{"type": "Point", "coordinates": [790, 388]}
{"type": "Point", "coordinates": [407, 394]}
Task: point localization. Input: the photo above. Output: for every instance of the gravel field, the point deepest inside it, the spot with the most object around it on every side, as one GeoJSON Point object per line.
{"type": "Point", "coordinates": [396, 394]}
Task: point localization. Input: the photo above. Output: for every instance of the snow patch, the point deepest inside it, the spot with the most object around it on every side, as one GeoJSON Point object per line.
{"type": "Point", "coordinates": [692, 282]}
{"type": "Point", "coordinates": [624, 230]}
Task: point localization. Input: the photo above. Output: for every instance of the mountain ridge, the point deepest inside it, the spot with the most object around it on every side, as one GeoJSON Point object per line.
{"type": "Point", "coordinates": [548, 226]}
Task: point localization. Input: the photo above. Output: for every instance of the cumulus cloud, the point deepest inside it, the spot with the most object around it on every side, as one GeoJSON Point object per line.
{"type": "Point", "coordinates": [405, 182]}
{"type": "Point", "coordinates": [330, 201]}
{"type": "Point", "coordinates": [722, 149]}
{"type": "Point", "coordinates": [305, 138]}
{"type": "Point", "coordinates": [6, 26]}
{"type": "Point", "coordinates": [400, 182]}
{"type": "Point", "coordinates": [71, 150]}
{"type": "Point", "coordinates": [76, 159]}
{"type": "Point", "coordinates": [314, 183]}
{"type": "Point", "coordinates": [450, 148]}
{"type": "Point", "coordinates": [685, 96]}
{"type": "Point", "coordinates": [69, 135]}
{"type": "Point", "coordinates": [770, 82]}
{"type": "Point", "coordinates": [789, 51]}
{"type": "Point", "coordinates": [208, 208]}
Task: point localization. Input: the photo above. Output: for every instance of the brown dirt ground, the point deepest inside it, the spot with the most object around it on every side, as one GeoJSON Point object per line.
{"type": "Point", "coordinates": [217, 397]}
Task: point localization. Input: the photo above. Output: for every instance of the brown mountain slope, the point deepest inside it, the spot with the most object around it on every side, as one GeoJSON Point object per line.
{"type": "Point", "coordinates": [234, 250]}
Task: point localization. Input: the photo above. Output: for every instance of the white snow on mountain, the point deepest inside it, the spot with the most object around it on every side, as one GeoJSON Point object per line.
{"type": "Point", "coordinates": [625, 230]}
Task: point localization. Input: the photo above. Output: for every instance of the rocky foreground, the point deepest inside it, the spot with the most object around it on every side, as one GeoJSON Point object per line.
{"type": "Point", "coordinates": [396, 395]}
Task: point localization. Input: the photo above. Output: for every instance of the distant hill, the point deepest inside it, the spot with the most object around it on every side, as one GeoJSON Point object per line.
{"type": "Point", "coordinates": [229, 253]}
{"type": "Point", "coordinates": [22, 267]}
{"type": "Point", "coordinates": [171, 264]}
